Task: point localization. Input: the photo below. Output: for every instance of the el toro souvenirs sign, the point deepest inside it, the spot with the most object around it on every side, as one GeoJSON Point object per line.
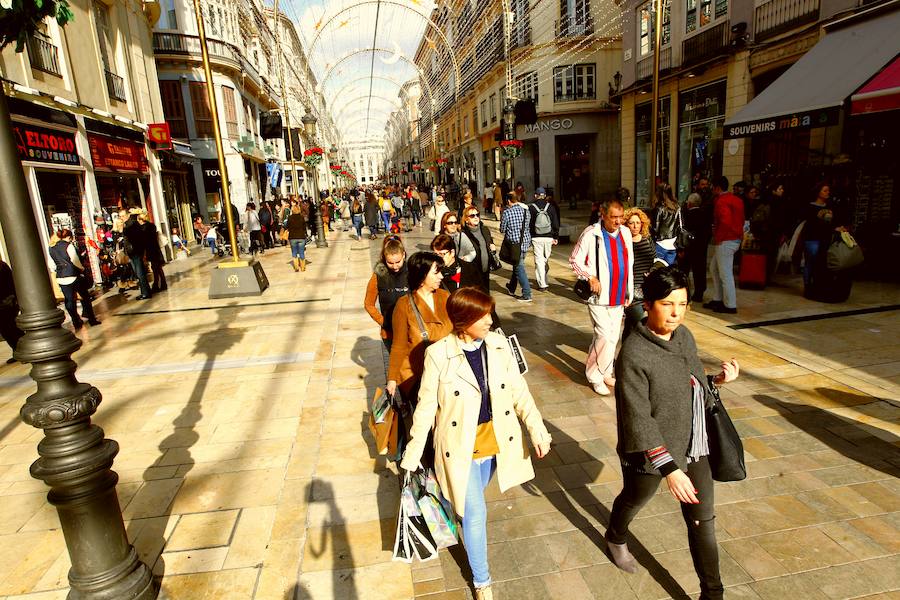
{"type": "Point", "coordinates": [112, 154]}
{"type": "Point", "coordinates": [40, 144]}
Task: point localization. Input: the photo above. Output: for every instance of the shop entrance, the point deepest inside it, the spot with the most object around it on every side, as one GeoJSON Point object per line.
{"type": "Point", "coordinates": [574, 153]}
{"type": "Point", "coordinates": [62, 197]}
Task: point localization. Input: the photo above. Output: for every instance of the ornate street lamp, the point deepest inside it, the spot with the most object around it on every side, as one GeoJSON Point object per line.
{"type": "Point", "coordinates": [332, 158]}
{"type": "Point", "coordinates": [309, 125]}
{"type": "Point", "coordinates": [509, 133]}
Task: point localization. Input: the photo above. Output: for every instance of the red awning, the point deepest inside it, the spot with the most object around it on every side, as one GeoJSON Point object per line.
{"type": "Point", "coordinates": [881, 93]}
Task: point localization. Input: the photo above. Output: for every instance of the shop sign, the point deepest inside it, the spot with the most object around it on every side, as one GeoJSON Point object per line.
{"type": "Point", "coordinates": [550, 125]}
{"type": "Point", "coordinates": [159, 134]}
{"type": "Point", "coordinates": [212, 176]}
{"type": "Point", "coordinates": [39, 144]}
{"type": "Point", "coordinates": [700, 104]}
{"type": "Point", "coordinates": [793, 122]}
{"type": "Point", "coordinates": [111, 154]}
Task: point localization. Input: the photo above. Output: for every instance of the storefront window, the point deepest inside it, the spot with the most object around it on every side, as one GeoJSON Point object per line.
{"type": "Point", "coordinates": [643, 188]}
{"type": "Point", "coordinates": [700, 146]}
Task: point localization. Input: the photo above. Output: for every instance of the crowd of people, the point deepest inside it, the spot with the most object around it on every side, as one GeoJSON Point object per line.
{"type": "Point", "coordinates": [453, 375]}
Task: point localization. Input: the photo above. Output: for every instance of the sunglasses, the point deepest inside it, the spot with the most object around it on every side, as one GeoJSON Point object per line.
{"type": "Point", "coordinates": [452, 222]}
{"type": "Point", "coordinates": [473, 215]}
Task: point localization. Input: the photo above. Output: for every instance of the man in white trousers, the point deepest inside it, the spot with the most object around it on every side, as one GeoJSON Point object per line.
{"type": "Point", "coordinates": [544, 234]}
{"type": "Point", "coordinates": [604, 256]}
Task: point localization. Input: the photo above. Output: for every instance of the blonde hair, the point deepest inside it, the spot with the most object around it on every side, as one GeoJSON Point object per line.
{"type": "Point", "coordinates": [645, 220]}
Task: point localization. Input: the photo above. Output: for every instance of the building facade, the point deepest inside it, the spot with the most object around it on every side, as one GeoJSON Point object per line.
{"type": "Point", "coordinates": [563, 56]}
{"type": "Point", "coordinates": [81, 99]}
{"type": "Point", "coordinates": [717, 59]}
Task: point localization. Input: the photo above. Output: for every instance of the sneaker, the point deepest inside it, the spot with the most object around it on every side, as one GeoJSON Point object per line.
{"type": "Point", "coordinates": [601, 389]}
{"type": "Point", "coordinates": [544, 289]}
{"type": "Point", "coordinates": [511, 290]}
{"type": "Point", "coordinates": [524, 299]}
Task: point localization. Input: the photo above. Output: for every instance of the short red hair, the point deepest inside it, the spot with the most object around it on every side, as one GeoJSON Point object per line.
{"type": "Point", "coordinates": [466, 305]}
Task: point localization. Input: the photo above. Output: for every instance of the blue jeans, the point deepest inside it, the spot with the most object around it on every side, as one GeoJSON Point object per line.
{"type": "Point", "coordinates": [667, 255]}
{"type": "Point", "coordinates": [137, 265]}
{"type": "Point", "coordinates": [298, 248]}
{"type": "Point", "coordinates": [386, 218]}
{"type": "Point", "coordinates": [519, 276]}
{"type": "Point", "coordinates": [357, 224]}
{"type": "Point", "coordinates": [474, 523]}
{"type": "Point", "coordinates": [723, 273]}
{"type": "Point", "coordinates": [212, 245]}
{"type": "Point", "coordinates": [810, 255]}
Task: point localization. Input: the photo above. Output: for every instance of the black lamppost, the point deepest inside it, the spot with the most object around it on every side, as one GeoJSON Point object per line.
{"type": "Point", "coordinates": [440, 162]}
{"type": "Point", "coordinates": [332, 160]}
{"type": "Point", "coordinates": [509, 132]}
{"type": "Point", "coordinates": [75, 457]}
{"type": "Point", "coordinates": [309, 125]}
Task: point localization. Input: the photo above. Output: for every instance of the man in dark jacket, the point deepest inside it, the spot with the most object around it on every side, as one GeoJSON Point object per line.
{"type": "Point", "coordinates": [544, 234]}
{"type": "Point", "coordinates": [9, 309]}
{"type": "Point", "coordinates": [373, 214]}
{"type": "Point", "coordinates": [136, 249]}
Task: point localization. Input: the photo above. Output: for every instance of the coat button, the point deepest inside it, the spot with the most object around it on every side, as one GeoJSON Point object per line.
{"type": "Point", "coordinates": [447, 454]}
{"type": "Point", "coordinates": [456, 393]}
{"type": "Point", "coordinates": [453, 423]}
{"type": "Point", "coordinates": [502, 386]}
{"type": "Point", "coordinates": [507, 413]}
{"type": "Point", "coordinates": [510, 438]}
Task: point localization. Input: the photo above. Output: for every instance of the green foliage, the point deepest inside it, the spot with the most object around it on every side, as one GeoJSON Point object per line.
{"type": "Point", "coordinates": [20, 18]}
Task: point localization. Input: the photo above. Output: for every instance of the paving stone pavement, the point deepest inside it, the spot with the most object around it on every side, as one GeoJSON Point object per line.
{"type": "Point", "coordinates": [258, 480]}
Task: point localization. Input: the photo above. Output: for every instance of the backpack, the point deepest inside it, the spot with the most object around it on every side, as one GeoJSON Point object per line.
{"type": "Point", "coordinates": [542, 223]}
{"type": "Point", "coordinates": [397, 202]}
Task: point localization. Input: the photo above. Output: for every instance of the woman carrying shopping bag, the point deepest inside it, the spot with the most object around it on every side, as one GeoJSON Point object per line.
{"type": "Point", "coordinates": [473, 395]}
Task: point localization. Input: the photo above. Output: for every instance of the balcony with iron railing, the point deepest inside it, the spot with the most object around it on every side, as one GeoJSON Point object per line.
{"type": "Point", "coordinates": [44, 56]}
{"type": "Point", "coordinates": [520, 37]}
{"type": "Point", "coordinates": [576, 26]}
{"type": "Point", "coordinates": [115, 86]}
{"type": "Point", "coordinates": [179, 44]}
{"type": "Point", "coordinates": [645, 66]}
{"type": "Point", "coordinates": [709, 43]}
{"type": "Point", "coordinates": [575, 97]}
{"type": "Point", "coordinates": [779, 16]}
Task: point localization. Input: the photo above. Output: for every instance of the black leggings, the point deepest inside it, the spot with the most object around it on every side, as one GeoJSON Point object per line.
{"type": "Point", "coordinates": [639, 488]}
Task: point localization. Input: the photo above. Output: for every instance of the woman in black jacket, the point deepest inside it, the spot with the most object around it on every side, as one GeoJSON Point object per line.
{"type": "Point", "coordinates": [296, 226]}
{"type": "Point", "coordinates": [665, 223]}
{"type": "Point", "coordinates": [661, 401]}
{"type": "Point", "coordinates": [477, 271]}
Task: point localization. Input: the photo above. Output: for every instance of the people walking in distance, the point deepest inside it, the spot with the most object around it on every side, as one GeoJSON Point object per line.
{"type": "Point", "coordinates": [254, 228]}
{"type": "Point", "coordinates": [153, 252]}
{"type": "Point", "coordinates": [415, 204]}
{"type": "Point", "coordinates": [544, 234]}
{"type": "Point", "coordinates": [644, 256]}
{"type": "Point", "coordinates": [451, 271]}
{"type": "Point", "coordinates": [477, 266]}
{"type": "Point", "coordinates": [419, 319]}
{"type": "Point", "coordinates": [661, 400]}
{"type": "Point", "coordinates": [472, 396]}
{"type": "Point", "coordinates": [387, 285]}
{"type": "Point", "coordinates": [357, 214]}
{"type": "Point", "coordinates": [384, 203]}
{"type": "Point", "coordinates": [821, 225]}
{"type": "Point", "coordinates": [283, 216]}
{"type": "Point", "coordinates": [70, 275]}
{"type": "Point", "coordinates": [467, 201]}
{"type": "Point", "coordinates": [9, 310]}
{"type": "Point", "coordinates": [514, 225]}
{"type": "Point", "coordinates": [604, 256]}
{"type": "Point", "coordinates": [296, 226]}
{"type": "Point", "coordinates": [728, 231]}
{"type": "Point", "coordinates": [697, 220]}
{"type": "Point", "coordinates": [665, 223]}
{"type": "Point", "coordinates": [436, 214]}
{"type": "Point", "coordinates": [372, 214]}
{"type": "Point", "coordinates": [266, 223]}
{"type": "Point", "coordinates": [498, 200]}
{"type": "Point", "coordinates": [136, 248]}
{"type": "Point", "coordinates": [345, 214]}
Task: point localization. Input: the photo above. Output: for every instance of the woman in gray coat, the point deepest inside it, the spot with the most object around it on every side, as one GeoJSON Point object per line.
{"type": "Point", "coordinates": [661, 401]}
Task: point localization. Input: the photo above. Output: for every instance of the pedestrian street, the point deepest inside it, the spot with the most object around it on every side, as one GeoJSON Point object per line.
{"type": "Point", "coordinates": [247, 470]}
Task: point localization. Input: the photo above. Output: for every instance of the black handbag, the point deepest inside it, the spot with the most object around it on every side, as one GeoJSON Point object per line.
{"type": "Point", "coordinates": [511, 252]}
{"type": "Point", "coordinates": [582, 287]}
{"type": "Point", "coordinates": [493, 261]}
{"type": "Point", "coordinates": [726, 452]}
{"type": "Point", "coordinates": [684, 237]}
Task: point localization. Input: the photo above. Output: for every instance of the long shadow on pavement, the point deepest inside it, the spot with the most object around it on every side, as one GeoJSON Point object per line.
{"type": "Point", "coordinates": [334, 530]}
{"type": "Point", "coordinates": [546, 338]}
{"type": "Point", "coordinates": [213, 343]}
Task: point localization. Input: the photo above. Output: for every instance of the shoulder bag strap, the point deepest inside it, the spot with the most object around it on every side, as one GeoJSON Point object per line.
{"type": "Point", "coordinates": [525, 213]}
{"type": "Point", "coordinates": [597, 255]}
{"type": "Point", "coordinates": [419, 321]}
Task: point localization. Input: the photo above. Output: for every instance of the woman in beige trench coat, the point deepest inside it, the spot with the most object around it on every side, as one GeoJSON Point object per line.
{"type": "Point", "coordinates": [473, 395]}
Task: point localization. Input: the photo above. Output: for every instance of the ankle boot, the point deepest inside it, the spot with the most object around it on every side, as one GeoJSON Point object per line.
{"type": "Point", "coordinates": [302, 264]}
{"type": "Point", "coordinates": [296, 263]}
{"type": "Point", "coordinates": [622, 557]}
{"type": "Point", "coordinates": [484, 593]}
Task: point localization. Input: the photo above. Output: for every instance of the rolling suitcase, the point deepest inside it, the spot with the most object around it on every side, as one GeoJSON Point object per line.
{"type": "Point", "coordinates": [753, 270]}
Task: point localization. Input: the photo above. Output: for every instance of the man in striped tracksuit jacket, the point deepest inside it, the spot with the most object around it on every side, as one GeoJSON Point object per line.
{"type": "Point", "coordinates": [604, 256]}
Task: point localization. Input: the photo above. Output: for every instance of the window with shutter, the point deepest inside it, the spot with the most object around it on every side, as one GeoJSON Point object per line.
{"type": "Point", "coordinates": [231, 117]}
{"type": "Point", "coordinates": [200, 107]}
{"type": "Point", "coordinates": [173, 107]}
